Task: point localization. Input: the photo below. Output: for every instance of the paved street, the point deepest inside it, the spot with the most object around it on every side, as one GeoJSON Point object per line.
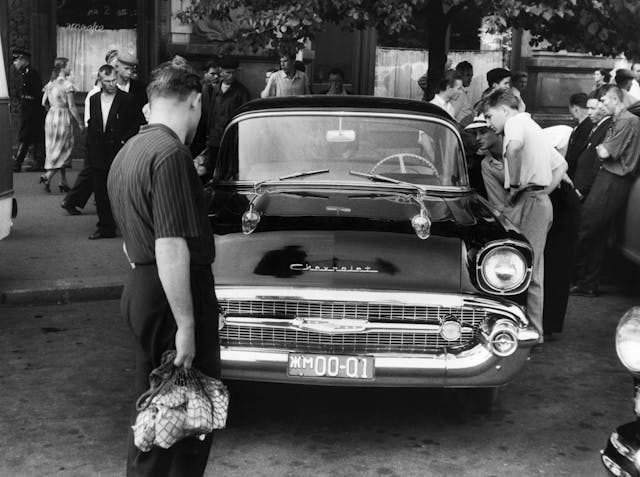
{"type": "Point", "coordinates": [66, 388]}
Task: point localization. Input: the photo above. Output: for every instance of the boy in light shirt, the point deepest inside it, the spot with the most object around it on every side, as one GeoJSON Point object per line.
{"type": "Point", "coordinates": [532, 169]}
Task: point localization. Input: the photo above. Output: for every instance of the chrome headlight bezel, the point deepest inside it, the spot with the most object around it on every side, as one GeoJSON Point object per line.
{"type": "Point", "coordinates": [628, 340]}
{"type": "Point", "coordinates": [520, 251]}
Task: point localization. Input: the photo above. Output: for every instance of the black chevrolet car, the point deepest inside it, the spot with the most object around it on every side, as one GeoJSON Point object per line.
{"type": "Point", "coordinates": [621, 457]}
{"type": "Point", "coordinates": [351, 250]}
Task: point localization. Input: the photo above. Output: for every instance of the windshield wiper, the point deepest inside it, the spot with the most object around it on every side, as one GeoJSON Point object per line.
{"type": "Point", "coordinates": [257, 185]}
{"type": "Point", "coordinates": [378, 177]}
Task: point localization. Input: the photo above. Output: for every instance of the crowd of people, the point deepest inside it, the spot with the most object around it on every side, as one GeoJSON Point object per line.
{"type": "Point", "coordinates": [561, 186]}
{"type": "Point", "coordinates": [564, 187]}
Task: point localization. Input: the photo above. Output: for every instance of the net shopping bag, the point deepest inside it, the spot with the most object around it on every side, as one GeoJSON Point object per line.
{"type": "Point", "coordinates": [179, 403]}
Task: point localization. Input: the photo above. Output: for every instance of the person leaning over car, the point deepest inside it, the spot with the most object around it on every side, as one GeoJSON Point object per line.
{"type": "Point", "coordinates": [532, 169]}
{"type": "Point", "coordinates": [169, 299]}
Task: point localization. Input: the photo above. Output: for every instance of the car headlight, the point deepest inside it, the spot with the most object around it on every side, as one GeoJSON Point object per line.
{"type": "Point", "coordinates": [503, 269]}
{"type": "Point", "coordinates": [628, 339]}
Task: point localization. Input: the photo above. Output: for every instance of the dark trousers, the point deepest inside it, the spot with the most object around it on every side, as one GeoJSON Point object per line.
{"type": "Point", "coordinates": [605, 201]}
{"type": "Point", "coordinates": [559, 252]}
{"type": "Point", "coordinates": [81, 190]}
{"type": "Point", "coordinates": [31, 133]}
{"type": "Point", "coordinates": [106, 223]}
{"type": "Point", "coordinates": [147, 311]}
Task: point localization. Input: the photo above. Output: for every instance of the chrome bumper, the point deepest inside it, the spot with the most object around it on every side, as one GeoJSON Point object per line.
{"type": "Point", "coordinates": [475, 367]}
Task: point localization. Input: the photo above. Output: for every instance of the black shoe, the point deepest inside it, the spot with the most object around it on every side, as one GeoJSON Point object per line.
{"type": "Point", "coordinates": [64, 188]}
{"type": "Point", "coordinates": [35, 168]}
{"type": "Point", "coordinates": [577, 290]}
{"type": "Point", "coordinates": [44, 180]}
{"type": "Point", "coordinates": [101, 235]}
{"type": "Point", "coordinates": [17, 167]}
{"type": "Point", "coordinates": [71, 210]}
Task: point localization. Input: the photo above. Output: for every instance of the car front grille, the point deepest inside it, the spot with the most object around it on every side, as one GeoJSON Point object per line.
{"type": "Point", "coordinates": [373, 341]}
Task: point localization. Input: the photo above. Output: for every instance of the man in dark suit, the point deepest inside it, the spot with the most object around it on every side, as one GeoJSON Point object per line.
{"type": "Point", "coordinates": [112, 122]}
{"type": "Point", "coordinates": [580, 136]}
{"type": "Point", "coordinates": [32, 113]}
{"type": "Point", "coordinates": [125, 70]}
{"type": "Point", "coordinates": [586, 165]}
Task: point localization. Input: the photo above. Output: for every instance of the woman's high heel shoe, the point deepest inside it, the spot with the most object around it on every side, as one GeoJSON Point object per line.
{"type": "Point", "coordinates": [45, 181]}
{"type": "Point", "coordinates": [64, 188]}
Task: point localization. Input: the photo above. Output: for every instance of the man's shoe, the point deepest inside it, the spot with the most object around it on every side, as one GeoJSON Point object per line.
{"type": "Point", "coordinates": [101, 235]}
{"type": "Point", "coordinates": [71, 210]}
{"type": "Point", "coordinates": [577, 290]}
{"type": "Point", "coordinates": [17, 167]}
{"type": "Point", "coordinates": [35, 168]}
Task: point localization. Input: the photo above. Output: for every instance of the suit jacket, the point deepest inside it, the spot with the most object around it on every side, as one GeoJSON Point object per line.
{"type": "Point", "coordinates": [103, 143]}
{"type": "Point", "coordinates": [577, 144]}
{"type": "Point", "coordinates": [138, 90]}
{"type": "Point", "coordinates": [220, 108]}
{"type": "Point", "coordinates": [588, 162]}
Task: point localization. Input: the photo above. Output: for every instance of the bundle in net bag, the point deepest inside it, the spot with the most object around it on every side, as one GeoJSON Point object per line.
{"type": "Point", "coordinates": [179, 403]}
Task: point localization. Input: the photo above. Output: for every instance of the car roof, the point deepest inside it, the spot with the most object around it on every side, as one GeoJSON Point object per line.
{"type": "Point", "coordinates": [345, 102]}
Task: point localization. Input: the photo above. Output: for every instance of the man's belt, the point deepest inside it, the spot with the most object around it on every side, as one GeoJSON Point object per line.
{"type": "Point", "coordinates": [526, 189]}
{"type": "Point", "coordinates": [26, 96]}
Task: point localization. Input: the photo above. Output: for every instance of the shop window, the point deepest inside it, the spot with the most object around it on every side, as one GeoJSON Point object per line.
{"type": "Point", "coordinates": [86, 30]}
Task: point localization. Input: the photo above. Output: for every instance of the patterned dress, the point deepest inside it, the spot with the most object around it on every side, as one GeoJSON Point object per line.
{"type": "Point", "coordinates": [58, 127]}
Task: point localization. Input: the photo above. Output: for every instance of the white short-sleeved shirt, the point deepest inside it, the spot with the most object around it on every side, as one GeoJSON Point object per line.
{"type": "Point", "coordinates": [538, 155]}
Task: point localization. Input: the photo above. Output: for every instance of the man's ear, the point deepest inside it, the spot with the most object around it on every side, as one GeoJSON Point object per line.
{"type": "Point", "coordinates": [196, 100]}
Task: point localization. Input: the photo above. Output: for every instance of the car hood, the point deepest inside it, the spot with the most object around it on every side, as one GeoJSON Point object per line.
{"type": "Point", "coordinates": [339, 259]}
{"type": "Point", "coordinates": [347, 239]}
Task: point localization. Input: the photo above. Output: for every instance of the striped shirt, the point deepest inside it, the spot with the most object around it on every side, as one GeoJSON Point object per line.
{"type": "Point", "coordinates": [155, 192]}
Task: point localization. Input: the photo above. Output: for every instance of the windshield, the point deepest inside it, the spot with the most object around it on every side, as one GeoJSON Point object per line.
{"type": "Point", "coordinates": [423, 152]}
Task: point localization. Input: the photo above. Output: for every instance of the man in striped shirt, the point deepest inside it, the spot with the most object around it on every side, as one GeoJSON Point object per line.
{"type": "Point", "coordinates": [169, 300]}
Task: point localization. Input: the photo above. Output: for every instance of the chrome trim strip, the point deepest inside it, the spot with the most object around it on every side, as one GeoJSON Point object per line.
{"type": "Point", "coordinates": [402, 298]}
{"type": "Point", "coordinates": [298, 324]}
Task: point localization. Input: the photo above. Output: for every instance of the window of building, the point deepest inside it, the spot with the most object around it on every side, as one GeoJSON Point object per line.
{"type": "Point", "coordinates": [87, 30]}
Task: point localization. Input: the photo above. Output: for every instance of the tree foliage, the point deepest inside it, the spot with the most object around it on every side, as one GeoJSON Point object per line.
{"type": "Point", "coordinates": [607, 27]}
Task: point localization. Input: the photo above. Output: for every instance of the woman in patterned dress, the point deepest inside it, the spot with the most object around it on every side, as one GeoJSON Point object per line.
{"type": "Point", "coordinates": [58, 127]}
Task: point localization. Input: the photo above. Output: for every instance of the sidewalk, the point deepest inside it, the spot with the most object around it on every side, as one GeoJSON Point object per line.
{"type": "Point", "coordinates": [48, 258]}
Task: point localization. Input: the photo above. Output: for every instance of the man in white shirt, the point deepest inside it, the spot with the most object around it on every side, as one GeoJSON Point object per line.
{"type": "Point", "coordinates": [532, 169]}
{"type": "Point", "coordinates": [463, 104]}
{"type": "Point", "coordinates": [635, 86]}
{"type": "Point", "coordinates": [449, 89]}
{"type": "Point", "coordinates": [288, 81]}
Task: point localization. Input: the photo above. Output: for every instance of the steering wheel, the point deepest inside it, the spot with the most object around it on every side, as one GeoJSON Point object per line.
{"type": "Point", "coordinates": [401, 157]}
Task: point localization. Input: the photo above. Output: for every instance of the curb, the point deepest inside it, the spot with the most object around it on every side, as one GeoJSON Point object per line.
{"type": "Point", "coordinates": [60, 293]}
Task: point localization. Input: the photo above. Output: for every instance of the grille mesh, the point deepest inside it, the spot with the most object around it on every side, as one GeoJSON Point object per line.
{"type": "Point", "coordinates": [359, 342]}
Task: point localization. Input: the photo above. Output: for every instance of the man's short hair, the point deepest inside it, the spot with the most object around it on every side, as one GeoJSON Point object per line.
{"type": "Point", "coordinates": [210, 64]}
{"type": "Point", "coordinates": [287, 54]}
{"type": "Point", "coordinates": [496, 75]}
{"type": "Point", "coordinates": [611, 87]}
{"type": "Point", "coordinates": [171, 80]}
{"type": "Point", "coordinates": [105, 70]}
{"type": "Point", "coordinates": [336, 71]}
{"type": "Point", "coordinates": [449, 80]}
{"type": "Point", "coordinates": [111, 54]}
{"type": "Point", "coordinates": [499, 97]}
{"type": "Point", "coordinates": [624, 77]}
{"type": "Point", "coordinates": [578, 99]}
{"type": "Point", "coordinates": [464, 66]}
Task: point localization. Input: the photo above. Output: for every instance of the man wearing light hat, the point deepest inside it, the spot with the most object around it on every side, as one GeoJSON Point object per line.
{"type": "Point", "coordinates": [32, 113]}
{"type": "Point", "coordinates": [125, 68]}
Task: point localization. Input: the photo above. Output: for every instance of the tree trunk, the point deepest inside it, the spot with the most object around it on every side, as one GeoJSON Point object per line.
{"type": "Point", "coordinates": [438, 23]}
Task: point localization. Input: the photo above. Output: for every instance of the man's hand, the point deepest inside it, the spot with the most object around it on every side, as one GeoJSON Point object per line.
{"type": "Point", "coordinates": [185, 347]}
{"type": "Point", "coordinates": [602, 152]}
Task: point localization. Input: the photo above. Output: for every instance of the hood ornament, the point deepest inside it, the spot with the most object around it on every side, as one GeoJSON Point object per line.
{"type": "Point", "coordinates": [250, 220]}
{"type": "Point", "coordinates": [422, 224]}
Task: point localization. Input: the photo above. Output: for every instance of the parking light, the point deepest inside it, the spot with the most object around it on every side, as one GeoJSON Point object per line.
{"type": "Point", "coordinates": [628, 340]}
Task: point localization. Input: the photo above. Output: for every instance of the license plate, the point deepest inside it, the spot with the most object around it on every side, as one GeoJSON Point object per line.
{"type": "Point", "coordinates": [331, 366]}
